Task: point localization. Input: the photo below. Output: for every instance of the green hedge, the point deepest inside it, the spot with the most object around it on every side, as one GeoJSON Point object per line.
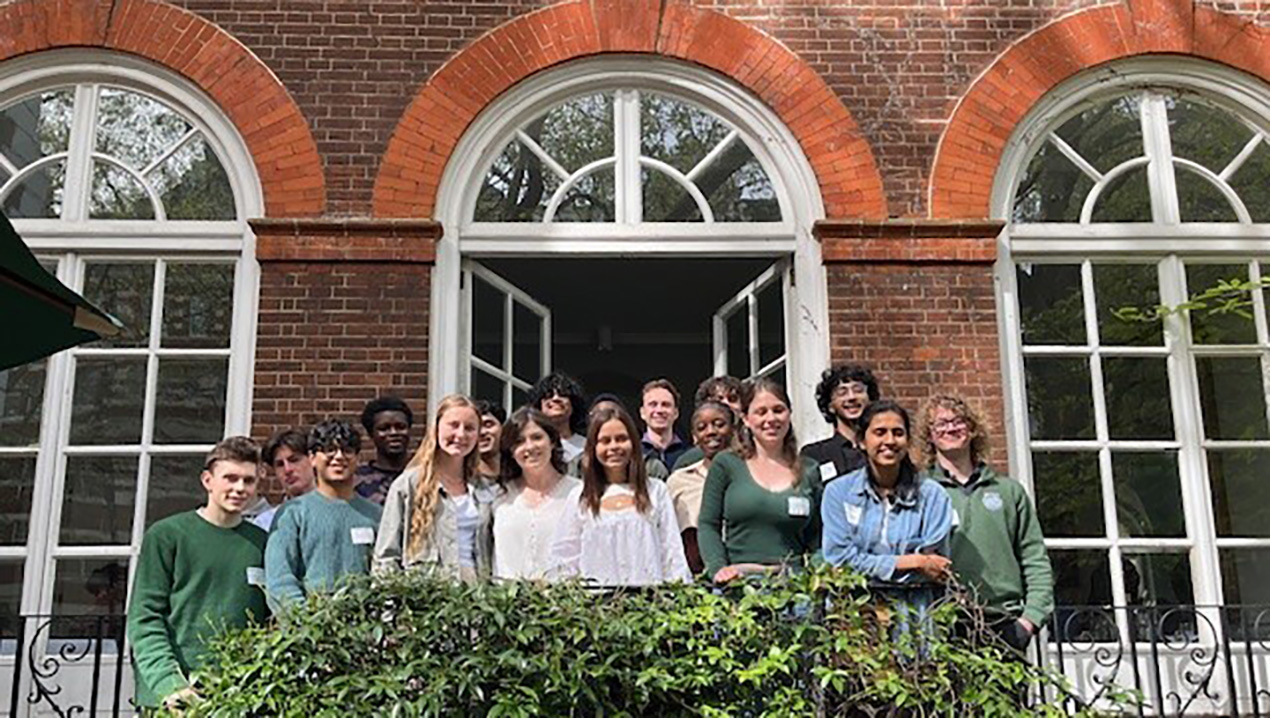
{"type": "Point", "coordinates": [812, 644]}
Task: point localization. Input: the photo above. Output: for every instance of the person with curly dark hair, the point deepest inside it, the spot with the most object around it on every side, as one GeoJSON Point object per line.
{"type": "Point", "coordinates": [844, 392]}
{"type": "Point", "coordinates": [562, 400]}
{"type": "Point", "coordinates": [387, 421]}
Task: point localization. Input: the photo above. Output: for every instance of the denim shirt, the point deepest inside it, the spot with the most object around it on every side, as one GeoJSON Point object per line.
{"type": "Point", "coordinates": [867, 532]}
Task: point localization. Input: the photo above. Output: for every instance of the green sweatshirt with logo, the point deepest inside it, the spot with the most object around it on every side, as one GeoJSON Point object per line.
{"type": "Point", "coordinates": [997, 548]}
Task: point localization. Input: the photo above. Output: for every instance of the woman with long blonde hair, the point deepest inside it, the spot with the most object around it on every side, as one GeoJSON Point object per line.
{"type": "Point", "coordinates": [437, 513]}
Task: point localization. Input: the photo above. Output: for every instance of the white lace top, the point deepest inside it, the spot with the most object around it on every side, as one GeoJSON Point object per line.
{"type": "Point", "coordinates": [620, 546]}
{"type": "Point", "coordinates": [523, 533]}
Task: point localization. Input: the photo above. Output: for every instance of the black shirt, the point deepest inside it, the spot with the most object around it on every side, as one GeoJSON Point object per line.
{"type": "Point", "coordinates": [837, 451]}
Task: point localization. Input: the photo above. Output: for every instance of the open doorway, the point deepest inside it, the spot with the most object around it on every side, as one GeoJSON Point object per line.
{"type": "Point", "coordinates": [614, 323]}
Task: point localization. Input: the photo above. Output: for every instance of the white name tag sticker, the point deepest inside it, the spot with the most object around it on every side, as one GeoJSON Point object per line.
{"type": "Point", "coordinates": [255, 576]}
{"type": "Point", "coordinates": [363, 535]}
{"type": "Point", "coordinates": [828, 472]}
{"type": "Point", "coordinates": [799, 506]}
{"type": "Point", "coordinates": [956, 519]}
{"type": "Point", "coordinates": [853, 513]}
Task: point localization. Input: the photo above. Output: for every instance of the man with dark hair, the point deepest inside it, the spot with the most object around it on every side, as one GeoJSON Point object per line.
{"type": "Point", "coordinates": [659, 408]}
{"type": "Point", "coordinates": [488, 449]}
{"type": "Point", "coordinates": [199, 572]}
{"type": "Point", "coordinates": [725, 390]}
{"type": "Point", "coordinates": [287, 456]}
{"type": "Point", "coordinates": [328, 533]}
{"type": "Point", "coordinates": [387, 421]}
{"type": "Point", "coordinates": [560, 397]}
{"type": "Point", "coordinates": [842, 395]}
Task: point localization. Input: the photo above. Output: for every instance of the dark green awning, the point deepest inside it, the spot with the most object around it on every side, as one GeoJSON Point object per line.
{"type": "Point", "coordinates": [43, 315]}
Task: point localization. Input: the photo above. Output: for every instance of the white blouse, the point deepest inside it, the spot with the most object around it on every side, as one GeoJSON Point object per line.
{"type": "Point", "coordinates": [573, 447]}
{"type": "Point", "coordinates": [621, 547]}
{"type": "Point", "coordinates": [523, 533]}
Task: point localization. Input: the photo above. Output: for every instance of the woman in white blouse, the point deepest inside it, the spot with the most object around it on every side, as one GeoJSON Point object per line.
{"type": "Point", "coordinates": [618, 528]}
{"type": "Point", "coordinates": [527, 512]}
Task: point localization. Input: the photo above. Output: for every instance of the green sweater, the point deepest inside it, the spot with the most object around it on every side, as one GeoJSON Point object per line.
{"type": "Point", "coordinates": [997, 547]}
{"type": "Point", "coordinates": [316, 542]}
{"type": "Point", "coordinates": [193, 579]}
{"type": "Point", "coordinates": [760, 526]}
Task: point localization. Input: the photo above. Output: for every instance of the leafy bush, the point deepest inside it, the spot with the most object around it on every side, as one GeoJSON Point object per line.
{"type": "Point", "coordinates": [812, 644]}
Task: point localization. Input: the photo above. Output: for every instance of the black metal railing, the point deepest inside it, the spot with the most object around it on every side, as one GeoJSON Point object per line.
{"type": "Point", "coordinates": [1174, 661]}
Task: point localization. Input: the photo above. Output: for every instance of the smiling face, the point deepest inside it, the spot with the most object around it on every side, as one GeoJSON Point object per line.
{"type": "Point", "coordinates": [533, 450]}
{"type": "Point", "coordinates": [711, 431]}
{"type": "Point", "coordinates": [658, 410]}
{"type": "Point", "coordinates": [886, 440]}
{"type": "Point", "coordinates": [294, 470]}
{"type": "Point", "coordinates": [849, 400]}
{"type": "Point", "coordinates": [457, 430]}
{"type": "Point", "coordinates": [334, 464]}
{"type": "Point", "coordinates": [558, 408]}
{"type": "Point", "coordinates": [231, 485]}
{"type": "Point", "coordinates": [614, 447]}
{"type": "Point", "coordinates": [768, 419]}
{"type": "Point", "coordinates": [391, 433]}
{"type": "Point", "coordinates": [950, 431]}
{"type": "Point", "coordinates": [488, 441]}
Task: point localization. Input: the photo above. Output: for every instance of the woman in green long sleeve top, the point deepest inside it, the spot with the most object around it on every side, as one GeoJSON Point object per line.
{"type": "Point", "coordinates": [760, 507]}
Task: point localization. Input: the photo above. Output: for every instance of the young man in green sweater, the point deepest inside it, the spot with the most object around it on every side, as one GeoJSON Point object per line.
{"type": "Point", "coordinates": [997, 548]}
{"type": "Point", "coordinates": [327, 534]}
{"type": "Point", "coordinates": [199, 572]}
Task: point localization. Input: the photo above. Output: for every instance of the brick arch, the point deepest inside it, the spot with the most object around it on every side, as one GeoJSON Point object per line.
{"type": "Point", "coordinates": [271, 124]}
{"type": "Point", "coordinates": [416, 156]}
{"type": "Point", "coordinates": [970, 150]}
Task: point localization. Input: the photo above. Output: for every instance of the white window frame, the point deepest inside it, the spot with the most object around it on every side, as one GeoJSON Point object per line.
{"type": "Point", "coordinates": [77, 239]}
{"type": "Point", "coordinates": [512, 295]}
{"type": "Point", "coordinates": [807, 315]}
{"type": "Point", "coordinates": [747, 301]}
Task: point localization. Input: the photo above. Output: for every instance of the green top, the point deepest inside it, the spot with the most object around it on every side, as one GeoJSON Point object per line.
{"type": "Point", "coordinates": [761, 526]}
{"type": "Point", "coordinates": [688, 458]}
{"type": "Point", "coordinates": [316, 542]}
{"type": "Point", "coordinates": [193, 579]}
{"type": "Point", "coordinates": [997, 547]}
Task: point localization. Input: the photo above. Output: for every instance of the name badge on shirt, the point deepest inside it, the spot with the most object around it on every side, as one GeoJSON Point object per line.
{"type": "Point", "coordinates": [853, 513]}
{"type": "Point", "coordinates": [799, 506]}
{"type": "Point", "coordinates": [363, 535]}
{"type": "Point", "coordinates": [255, 576]}
{"type": "Point", "coordinates": [956, 519]}
{"type": "Point", "coordinates": [828, 472]}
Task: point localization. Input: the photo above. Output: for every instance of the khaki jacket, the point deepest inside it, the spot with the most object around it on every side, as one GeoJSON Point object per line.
{"type": "Point", "coordinates": [439, 551]}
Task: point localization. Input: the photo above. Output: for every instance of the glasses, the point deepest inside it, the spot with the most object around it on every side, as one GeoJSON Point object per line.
{"type": "Point", "coordinates": [949, 426]}
{"type": "Point", "coordinates": [334, 450]}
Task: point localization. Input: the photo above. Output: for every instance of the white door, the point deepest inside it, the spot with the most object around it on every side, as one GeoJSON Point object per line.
{"type": "Point", "coordinates": [750, 328]}
{"type": "Point", "coordinates": [507, 346]}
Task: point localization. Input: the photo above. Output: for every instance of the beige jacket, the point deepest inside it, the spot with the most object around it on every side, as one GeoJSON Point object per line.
{"type": "Point", "coordinates": [441, 549]}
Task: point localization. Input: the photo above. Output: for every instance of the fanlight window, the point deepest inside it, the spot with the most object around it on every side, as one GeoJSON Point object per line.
{"type": "Point", "coordinates": [627, 157]}
{"type": "Point", "coordinates": [1149, 156]}
{"type": "Point", "coordinates": [137, 159]}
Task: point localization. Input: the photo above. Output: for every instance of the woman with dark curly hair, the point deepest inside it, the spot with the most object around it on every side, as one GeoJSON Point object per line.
{"type": "Point", "coordinates": [561, 399]}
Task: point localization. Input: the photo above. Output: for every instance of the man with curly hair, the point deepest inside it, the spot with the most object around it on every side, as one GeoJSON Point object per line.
{"type": "Point", "coordinates": [842, 395]}
{"type": "Point", "coordinates": [560, 397]}
{"type": "Point", "coordinates": [997, 548]}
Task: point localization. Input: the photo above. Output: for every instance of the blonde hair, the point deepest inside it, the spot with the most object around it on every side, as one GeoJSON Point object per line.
{"type": "Point", "coordinates": [427, 492]}
{"type": "Point", "coordinates": [963, 410]}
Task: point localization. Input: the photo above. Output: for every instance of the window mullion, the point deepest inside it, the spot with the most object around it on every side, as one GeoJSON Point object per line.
{"type": "Point", "coordinates": [78, 187]}
{"type": "Point", "coordinates": [1159, 149]}
{"type": "Point", "coordinates": [626, 185]}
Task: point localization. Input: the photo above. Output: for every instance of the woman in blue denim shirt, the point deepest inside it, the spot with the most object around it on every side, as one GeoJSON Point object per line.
{"type": "Point", "coordinates": [884, 520]}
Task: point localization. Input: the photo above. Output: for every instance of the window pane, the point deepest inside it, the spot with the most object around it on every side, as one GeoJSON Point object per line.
{"type": "Point", "coordinates": [519, 398]}
{"type": "Point", "coordinates": [135, 128]}
{"type": "Point", "coordinates": [198, 303]}
{"type": "Point", "coordinates": [517, 187]}
{"type": "Point", "coordinates": [1137, 394]}
{"type": "Point", "coordinates": [89, 587]}
{"type": "Point", "coordinates": [1118, 286]}
{"type": "Point", "coordinates": [1052, 189]}
{"type": "Point", "coordinates": [771, 323]}
{"type": "Point", "coordinates": [1199, 200]}
{"type": "Point", "coordinates": [1082, 578]}
{"type": "Point", "coordinates": [1126, 199]}
{"type": "Point", "coordinates": [665, 200]}
{"type": "Point", "coordinates": [10, 604]}
{"type": "Point", "coordinates": [108, 402]}
{"type": "Point", "coordinates": [37, 126]}
{"type": "Point", "coordinates": [1106, 134]}
{"type": "Point", "coordinates": [1051, 304]}
{"type": "Point", "coordinates": [126, 291]}
{"type": "Point", "coordinates": [487, 387]}
{"type": "Point", "coordinates": [676, 132]}
{"type": "Point", "coordinates": [38, 195]}
{"type": "Point", "coordinates": [738, 333]}
{"type": "Point", "coordinates": [1241, 494]}
{"type": "Point", "coordinates": [192, 184]}
{"type": "Point", "coordinates": [98, 498]}
{"type": "Point", "coordinates": [1251, 180]}
{"type": "Point", "coordinates": [591, 199]}
{"type": "Point", "coordinates": [21, 402]}
{"type": "Point", "coordinates": [1205, 134]}
{"type": "Point", "coordinates": [576, 132]}
{"type": "Point", "coordinates": [1232, 397]}
{"type": "Point", "coordinates": [1148, 494]}
{"type": "Point", "coordinates": [190, 401]}
{"type": "Point", "coordinates": [1068, 493]}
{"type": "Point", "coordinates": [488, 316]}
{"type": "Point", "coordinates": [118, 195]}
{"type": "Point", "coordinates": [1162, 579]}
{"type": "Point", "coordinates": [738, 188]}
{"type": "Point", "coordinates": [174, 486]}
{"type": "Point", "coordinates": [527, 350]}
{"type": "Point", "coordinates": [1245, 574]}
{"type": "Point", "coordinates": [17, 485]}
{"type": "Point", "coordinates": [1060, 403]}
{"type": "Point", "coordinates": [1226, 315]}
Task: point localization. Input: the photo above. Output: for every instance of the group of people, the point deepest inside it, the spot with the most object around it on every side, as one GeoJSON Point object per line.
{"type": "Point", "coordinates": [565, 488]}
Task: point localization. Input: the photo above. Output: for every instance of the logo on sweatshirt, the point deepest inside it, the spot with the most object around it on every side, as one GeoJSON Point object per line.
{"type": "Point", "coordinates": [992, 501]}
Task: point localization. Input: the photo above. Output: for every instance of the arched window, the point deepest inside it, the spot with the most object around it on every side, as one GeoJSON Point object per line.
{"type": "Point", "coordinates": [131, 187]}
{"type": "Point", "coordinates": [1136, 340]}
